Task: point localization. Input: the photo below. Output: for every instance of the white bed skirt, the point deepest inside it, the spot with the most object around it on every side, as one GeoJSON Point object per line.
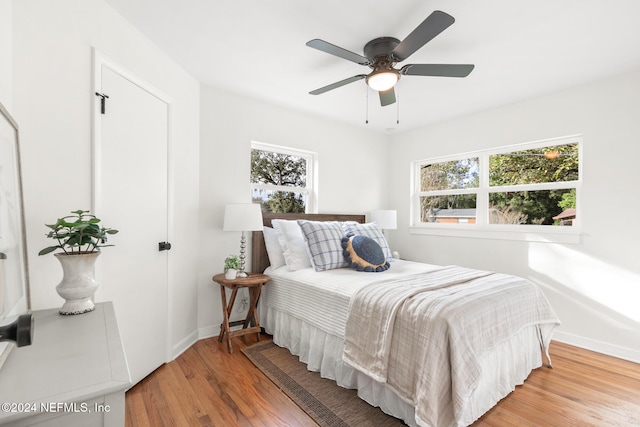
{"type": "Point", "coordinates": [503, 369]}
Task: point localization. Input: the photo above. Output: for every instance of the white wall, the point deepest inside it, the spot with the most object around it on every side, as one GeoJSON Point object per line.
{"type": "Point", "coordinates": [52, 93]}
{"type": "Point", "coordinates": [6, 54]}
{"type": "Point", "coordinates": [351, 175]}
{"type": "Point", "coordinates": [595, 285]}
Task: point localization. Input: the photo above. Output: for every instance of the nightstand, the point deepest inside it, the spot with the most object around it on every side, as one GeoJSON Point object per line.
{"type": "Point", "coordinates": [253, 282]}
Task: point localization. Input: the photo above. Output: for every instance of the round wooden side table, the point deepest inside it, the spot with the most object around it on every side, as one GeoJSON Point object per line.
{"type": "Point", "coordinates": [253, 282]}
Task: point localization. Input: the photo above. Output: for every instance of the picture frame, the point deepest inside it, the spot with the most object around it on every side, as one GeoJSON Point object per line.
{"type": "Point", "coordinates": [15, 298]}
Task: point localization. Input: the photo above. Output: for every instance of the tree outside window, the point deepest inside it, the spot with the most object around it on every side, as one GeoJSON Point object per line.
{"type": "Point", "coordinates": [538, 166]}
{"type": "Point", "coordinates": [439, 179]}
{"type": "Point", "coordinates": [280, 178]}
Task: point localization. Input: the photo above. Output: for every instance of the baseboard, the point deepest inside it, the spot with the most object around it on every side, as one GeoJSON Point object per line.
{"type": "Point", "coordinates": [200, 334]}
{"type": "Point", "coordinates": [192, 338]}
{"type": "Point", "coordinates": [208, 332]}
{"type": "Point", "coordinates": [620, 352]}
{"type": "Point", "coordinates": [184, 344]}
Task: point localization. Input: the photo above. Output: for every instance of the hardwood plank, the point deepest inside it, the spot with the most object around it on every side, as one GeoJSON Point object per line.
{"type": "Point", "coordinates": [207, 386]}
{"type": "Point", "coordinates": [267, 403]}
{"type": "Point", "coordinates": [185, 397]}
{"type": "Point", "coordinates": [134, 404]}
{"type": "Point", "coordinates": [208, 397]}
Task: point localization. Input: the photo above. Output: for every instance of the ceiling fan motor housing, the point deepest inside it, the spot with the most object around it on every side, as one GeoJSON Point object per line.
{"type": "Point", "coordinates": [381, 48]}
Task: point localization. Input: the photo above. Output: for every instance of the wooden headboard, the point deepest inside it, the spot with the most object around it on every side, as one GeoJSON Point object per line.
{"type": "Point", "coordinates": [259, 257]}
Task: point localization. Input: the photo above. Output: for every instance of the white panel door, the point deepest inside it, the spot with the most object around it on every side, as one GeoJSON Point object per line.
{"type": "Point", "coordinates": [131, 196]}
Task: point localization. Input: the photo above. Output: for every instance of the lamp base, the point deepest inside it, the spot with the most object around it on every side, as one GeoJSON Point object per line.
{"type": "Point", "coordinates": [243, 246]}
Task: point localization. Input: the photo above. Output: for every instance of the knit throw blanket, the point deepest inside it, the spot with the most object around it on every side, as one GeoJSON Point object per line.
{"type": "Point", "coordinates": [424, 335]}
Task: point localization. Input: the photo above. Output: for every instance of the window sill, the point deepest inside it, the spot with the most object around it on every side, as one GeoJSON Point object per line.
{"type": "Point", "coordinates": [557, 235]}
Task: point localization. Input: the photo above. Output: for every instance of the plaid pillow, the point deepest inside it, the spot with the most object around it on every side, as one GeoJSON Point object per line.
{"type": "Point", "coordinates": [324, 241]}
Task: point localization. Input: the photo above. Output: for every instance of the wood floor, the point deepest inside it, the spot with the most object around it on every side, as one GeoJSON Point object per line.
{"type": "Point", "coordinates": [207, 386]}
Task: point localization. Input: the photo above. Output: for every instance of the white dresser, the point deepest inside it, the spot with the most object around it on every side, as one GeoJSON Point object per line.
{"type": "Point", "coordinates": [74, 374]}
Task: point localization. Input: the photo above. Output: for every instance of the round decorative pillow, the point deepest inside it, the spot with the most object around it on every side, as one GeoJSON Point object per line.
{"type": "Point", "coordinates": [364, 254]}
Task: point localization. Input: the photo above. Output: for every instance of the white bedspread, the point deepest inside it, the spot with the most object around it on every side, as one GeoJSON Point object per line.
{"type": "Point", "coordinates": [424, 334]}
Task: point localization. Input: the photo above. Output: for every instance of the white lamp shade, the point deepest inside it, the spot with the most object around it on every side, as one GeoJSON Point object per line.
{"type": "Point", "coordinates": [242, 217]}
{"type": "Point", "coordinates": [386, 219]}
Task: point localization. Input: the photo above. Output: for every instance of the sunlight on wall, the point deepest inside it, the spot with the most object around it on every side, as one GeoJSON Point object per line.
{"type": "Point", "coordinates": [604, 283]}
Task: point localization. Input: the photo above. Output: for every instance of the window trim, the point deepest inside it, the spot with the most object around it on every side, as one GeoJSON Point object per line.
{"type": "Point", "coordinates": [310, 190]}
{"type": "Point", "coordinates": [482, 229]}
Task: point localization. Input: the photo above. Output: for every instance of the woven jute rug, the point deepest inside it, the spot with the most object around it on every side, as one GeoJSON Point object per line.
{"type": "Point", "coordinates": [322, 399]}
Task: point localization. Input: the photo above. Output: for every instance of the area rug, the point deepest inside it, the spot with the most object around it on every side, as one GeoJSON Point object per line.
{"type": "Point", "coordinates": [322, 399]}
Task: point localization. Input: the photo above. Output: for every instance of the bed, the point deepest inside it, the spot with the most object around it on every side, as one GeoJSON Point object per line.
{"type": "Point", "coordinates": [431, 345]}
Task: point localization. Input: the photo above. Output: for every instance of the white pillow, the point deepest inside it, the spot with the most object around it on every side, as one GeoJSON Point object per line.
{"type": "Point", "coordinates": [274, 250]}
{"type": "Point", "coordinates": [371, 230]}
{"type": "Point", "coordinates": [324, 241]}
{"type": "Point", "coordinates": [293, 245]}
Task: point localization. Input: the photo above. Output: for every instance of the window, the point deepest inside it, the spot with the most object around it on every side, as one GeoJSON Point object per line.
{"type": "Point", "coordinates": [531, 186]}
{"type": "Point", "coordinates": [448, 191]}
{"type": "Point", "coordinates": [282, 178]}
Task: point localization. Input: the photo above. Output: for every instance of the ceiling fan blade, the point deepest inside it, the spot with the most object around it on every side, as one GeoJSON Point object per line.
{"type": "Point", "coordinates": [337, 51]}
{"type": "Point", "coordinates": [435, 23]}
{"type": "Point", "coordinates": [441, 70]}
{"type": "Point", "coordinates": [387, 97]}
{"type": "Point", "coordinates": [338, 84]}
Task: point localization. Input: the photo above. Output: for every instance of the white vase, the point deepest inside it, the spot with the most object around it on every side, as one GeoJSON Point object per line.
{"type": "Point", "coordinates": [78, 285]}
{"type": "Point", "coordinates": [230, 274]}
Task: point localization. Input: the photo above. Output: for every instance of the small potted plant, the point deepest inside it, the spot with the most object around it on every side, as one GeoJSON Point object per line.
{"type": "Point", "coordinates": [231, 266]}
{"type": "Point", "coordinates": [80, 237]}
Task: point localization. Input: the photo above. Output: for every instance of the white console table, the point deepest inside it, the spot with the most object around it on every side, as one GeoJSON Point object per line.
{"type": "Point", "coordinates": [74, 374]}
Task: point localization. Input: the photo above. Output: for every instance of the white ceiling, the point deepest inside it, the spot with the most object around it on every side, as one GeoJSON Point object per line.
{"type": "Point", "coordinates": [520, 49]}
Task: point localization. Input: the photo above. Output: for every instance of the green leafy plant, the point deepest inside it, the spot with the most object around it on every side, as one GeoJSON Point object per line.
{"type": "Point", "coordinates": [231, 262]}
{"type": "Point", "coordinates": [78, 234]}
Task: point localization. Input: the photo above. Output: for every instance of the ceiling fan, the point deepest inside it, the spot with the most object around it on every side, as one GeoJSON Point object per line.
{"type": "Point", "coordinates": [382, 53]}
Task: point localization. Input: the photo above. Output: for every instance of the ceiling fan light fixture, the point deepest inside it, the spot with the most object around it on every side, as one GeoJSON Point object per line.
{"type": "Point", "coordinates": [383, 80]}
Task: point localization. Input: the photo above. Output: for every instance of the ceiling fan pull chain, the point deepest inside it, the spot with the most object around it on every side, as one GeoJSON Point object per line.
{"type": "Point", "coordinates": [366, 121]}
{"type": "Point", "coordinates": [398, 106]}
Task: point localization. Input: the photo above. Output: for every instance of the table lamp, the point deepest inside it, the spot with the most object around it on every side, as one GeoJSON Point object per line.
{"type": "Point", "coordinates": [386, 219]}
{"type": "Point", "coordinates": [242, 217]}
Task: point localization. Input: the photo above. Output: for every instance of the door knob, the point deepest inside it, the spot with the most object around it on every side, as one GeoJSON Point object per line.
{"type": "Point", "coordinates": [164, 246]}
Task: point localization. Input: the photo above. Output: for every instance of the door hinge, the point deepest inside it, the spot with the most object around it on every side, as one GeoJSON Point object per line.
{"type": "Point", "coordinates": [102, 102]}
{"type": "Point", "coordinates": [164, 246]}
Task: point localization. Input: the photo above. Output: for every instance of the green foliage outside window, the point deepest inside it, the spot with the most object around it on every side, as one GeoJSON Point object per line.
{"type": "Point", "coordinates": [540, 165]}
{"type": "Point", "coordinates": [268, 167]}
{"type": "Point", "coordinates": [568, 200]}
